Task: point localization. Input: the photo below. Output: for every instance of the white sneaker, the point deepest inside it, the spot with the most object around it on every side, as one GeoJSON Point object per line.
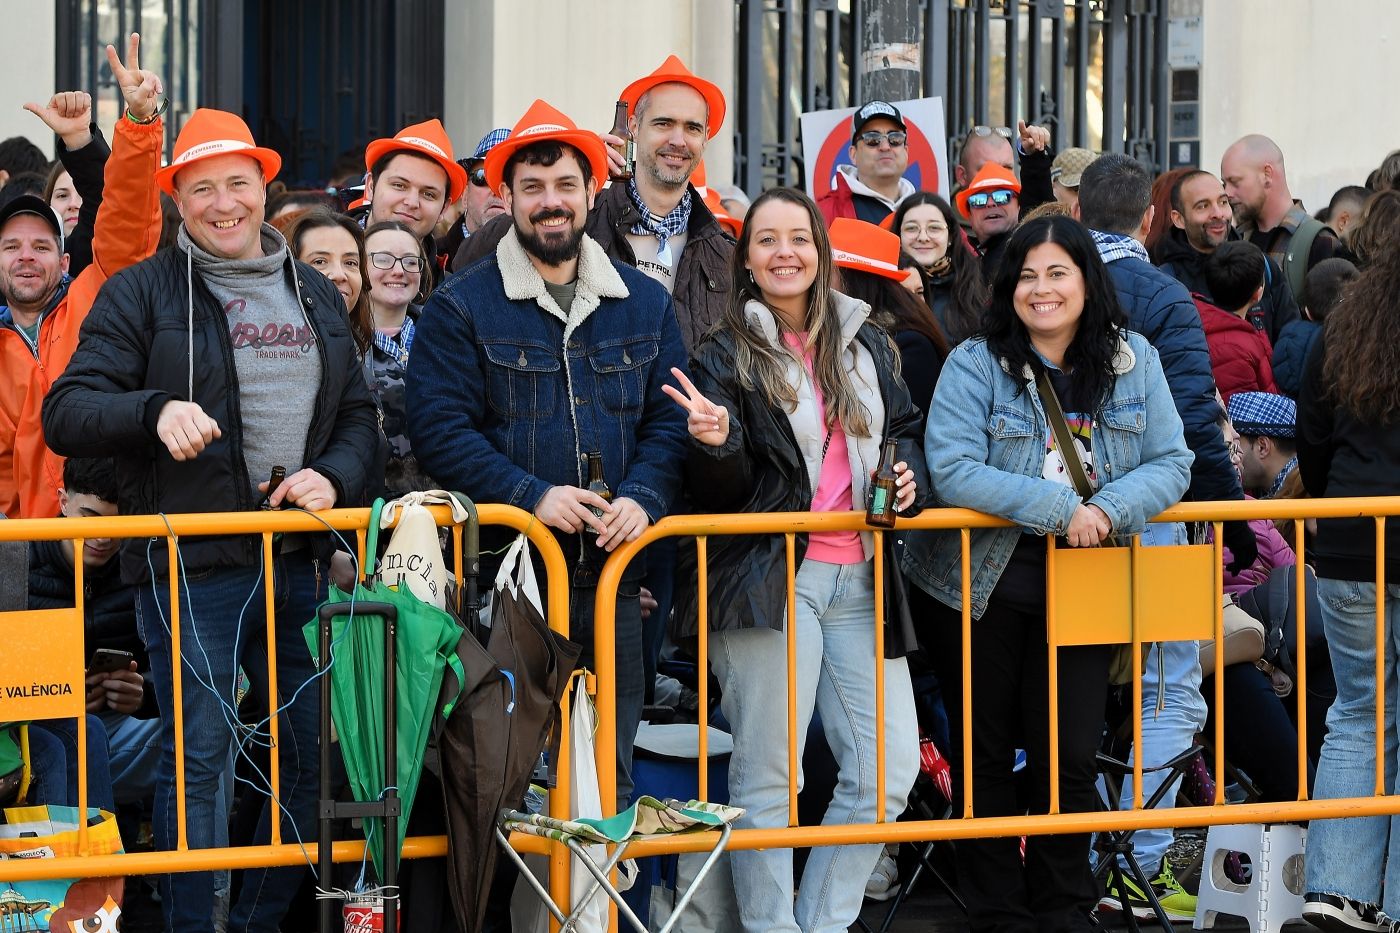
{"type": "Point", "coordinates": [884, 880]}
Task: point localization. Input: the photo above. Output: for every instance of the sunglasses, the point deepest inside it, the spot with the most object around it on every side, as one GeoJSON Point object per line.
{"type": "Point", "coordinates": [1000, 197]}
{"type": "Point", "coordinates": [477, 176]}
{"type": "Point", "coordinates": [985, 131]}
{"type": "Point", "coordinates": [895, 138]}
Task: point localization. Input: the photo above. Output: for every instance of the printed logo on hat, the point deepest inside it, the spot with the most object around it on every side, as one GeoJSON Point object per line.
{"type": "Point", "coordinates": [212, 147]}
{"type": "Point", "coordinates": [541, 128]}
{"type": "Point", "coordinates": [426, 144]}
{"type": "Point", "coordinates": [841, 255]}
{"type": "Point", "coordinates": [875, 108]}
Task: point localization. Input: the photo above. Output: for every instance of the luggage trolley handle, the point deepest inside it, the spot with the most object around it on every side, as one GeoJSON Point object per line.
{"type": "Point", "coordinates": [388, 807]}
{"type": "Point", "coordinates": [471, 554]}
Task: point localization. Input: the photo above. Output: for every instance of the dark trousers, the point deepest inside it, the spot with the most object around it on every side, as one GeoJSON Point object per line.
{"type": "Point", "coordinates": [1260, 738]}
{"type": "Point", "coordinates": [1054, 889]}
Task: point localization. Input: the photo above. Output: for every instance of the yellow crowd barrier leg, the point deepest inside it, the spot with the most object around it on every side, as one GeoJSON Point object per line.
{"type": "Point", "coordinates": [702, 605]}
{"type": "Point", "coordinates": [965, 558]}
{"type": "Point", "coordinates": [880, 814]}
{"type": "Point", "coordinates": [1382, 651]}
{"type": "Point", "coordinates": [1300, 652]}
{"type": "Point", "coordinates": [790, 541]}
{"type": "Point", "coordinates": [273, 695]}
{"type": "Point", "coordinates": [178, 692]}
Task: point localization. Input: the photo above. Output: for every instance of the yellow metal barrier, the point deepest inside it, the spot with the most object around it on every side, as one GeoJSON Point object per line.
{"type": "Point", "coordinates": [264, 524]}
{"type": "Point", "coordinates": [969, 825]}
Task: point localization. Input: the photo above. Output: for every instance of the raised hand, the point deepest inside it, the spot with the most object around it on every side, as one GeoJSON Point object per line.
{"type": "Point", "coordinates": [1033, 138]}
{"type": "Point", "coordinates": [68, 114]}
{"type": "Point", "coordinates": [140, 89]}
{"type": "Point", "coordinates": [708, 423]}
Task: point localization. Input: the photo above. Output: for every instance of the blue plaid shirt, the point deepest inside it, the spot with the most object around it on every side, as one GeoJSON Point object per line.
{"type": "Point", "coordinates": [1114, 246]}
{"type": "Point", "coordinates": [397, 346]}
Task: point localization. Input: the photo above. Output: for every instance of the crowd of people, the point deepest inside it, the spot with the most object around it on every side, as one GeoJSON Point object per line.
{"type": "Point", "coordinates": [1071, 343]}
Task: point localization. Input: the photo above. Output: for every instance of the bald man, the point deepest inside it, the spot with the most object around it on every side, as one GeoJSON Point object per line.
{"type": "Point", "coordinates": [1001, 145]}
{"type": "Point", "coordinates": [1266, 214]}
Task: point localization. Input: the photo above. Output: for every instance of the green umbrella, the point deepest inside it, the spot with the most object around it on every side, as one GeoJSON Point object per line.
{"type": "Point", "coordinates": [426, 644]}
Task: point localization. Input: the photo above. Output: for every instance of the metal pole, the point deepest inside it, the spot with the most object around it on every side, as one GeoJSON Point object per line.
{"type": "Point", "coordinates": [891, 50]}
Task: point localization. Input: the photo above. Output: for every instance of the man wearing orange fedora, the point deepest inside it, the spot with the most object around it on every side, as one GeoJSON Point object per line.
{"type": "Point", "coordinates": [544, 354]}
{"type": "Point", "coordinates": [203, 370]}
{"type": "Point", "coordinates": [656, 221]}
{"type": "Point", "coordinates": [412, 179]}
{"type": "Point", "coordinates": [44, 312]}
{"type": "Point", "coordinates": [992, 204]}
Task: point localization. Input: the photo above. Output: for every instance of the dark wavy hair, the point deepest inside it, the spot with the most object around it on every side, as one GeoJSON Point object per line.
{"type": "Point", "coordinates": [1089, 358]}
{"type": "Point", "coordinates": [893, 307]}
{"type": "Point", "coordinates": [967, 288]}
{"type": "Point", "coordinates": [1361, 368]}
{"type": "Point", "coordinates": [317, 218]}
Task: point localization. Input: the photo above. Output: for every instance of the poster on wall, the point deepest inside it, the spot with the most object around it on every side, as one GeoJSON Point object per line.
{"type": "Point", "coordinates": [826, 143]}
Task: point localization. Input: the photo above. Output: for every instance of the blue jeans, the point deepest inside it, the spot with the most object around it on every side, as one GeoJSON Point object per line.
{"type": "Point", "coordinates": [1346, 856]}
{"type": "Point", "coordinates": [133, 751]}
{"type": "Point", "coordinates": [53, 756]}
{"type": "Point", "coordinates": [215, 644]}
{"type": "Point", "coordinates": [1168, 732]}
{"type": "Point", "coordinates": [836, 676]}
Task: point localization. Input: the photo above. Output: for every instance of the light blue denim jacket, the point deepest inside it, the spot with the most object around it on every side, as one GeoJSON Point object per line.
{"type": "Point", "coordinates": [986, 442]}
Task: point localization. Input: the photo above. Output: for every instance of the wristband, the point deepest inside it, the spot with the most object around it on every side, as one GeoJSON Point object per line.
{"type": "Point", "coordinates": [164, 106]}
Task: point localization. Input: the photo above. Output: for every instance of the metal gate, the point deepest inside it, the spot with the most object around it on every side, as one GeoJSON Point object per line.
{"type": "Point", "coordinates": [1093, 71]}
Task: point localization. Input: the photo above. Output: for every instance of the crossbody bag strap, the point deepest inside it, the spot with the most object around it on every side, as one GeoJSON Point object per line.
{"type": "Point", "coordinates": [1063, 439]}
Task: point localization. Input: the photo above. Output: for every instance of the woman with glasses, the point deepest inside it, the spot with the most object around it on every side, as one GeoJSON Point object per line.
{"type": "Point", "coordinates": [952, 274]}
{"type": "Point", "coordinates": [1054, 332]}
{"type": "Point", "coordinates": [397, 273]}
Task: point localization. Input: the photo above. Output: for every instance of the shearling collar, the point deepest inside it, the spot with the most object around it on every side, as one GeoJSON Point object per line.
{"type": "Point", "coordinates": [1124, 359]}
{"type": "Point", "coordinates": [597, 279]}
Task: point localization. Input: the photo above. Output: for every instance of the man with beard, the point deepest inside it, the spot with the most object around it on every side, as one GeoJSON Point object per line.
{"type": "Point", "coordinates": [1200, 216]}
{"type": "Point", "coordinates": [1267, 215]}
{"type": "Point", "coordinates": [542, 355]}
{"type": "Point", "coordinates": [656, 221]}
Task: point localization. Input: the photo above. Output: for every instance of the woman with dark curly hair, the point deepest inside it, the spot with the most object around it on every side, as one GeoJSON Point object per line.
{"type": "Point", "coordinates": [953, 285]}
{"type": "Point", "coordinates": [1349, 445]}
{"type": "Point", "coordinates": [1377, 229]}
{"type": "Point", "coordinates": [1054, 332]}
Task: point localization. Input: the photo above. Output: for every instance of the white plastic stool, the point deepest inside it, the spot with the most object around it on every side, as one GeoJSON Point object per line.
{"type": "Point", "coordinates": [1274, 894]}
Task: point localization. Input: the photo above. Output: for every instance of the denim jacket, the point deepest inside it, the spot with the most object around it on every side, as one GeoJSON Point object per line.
{"type": "Point", "coordinates": [507, 393]}
{"type": "Point", "coordinates": [985, 444]}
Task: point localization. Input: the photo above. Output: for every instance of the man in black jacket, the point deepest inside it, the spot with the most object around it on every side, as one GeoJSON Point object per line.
{"type": "Point", "coordinates": [201, 370]}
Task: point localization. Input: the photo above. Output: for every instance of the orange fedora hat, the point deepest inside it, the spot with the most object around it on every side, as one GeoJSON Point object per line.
{"type": "Point", "coordinates": [856, 244]}
{"type": "Point", "coordinates": [429, 140]}
{"type": "Point", "coordinates": [990, 177]}
{"type": "Point", "coordinates": [208, 133]}
{"type": "Point", "coordinates": [674, 70]}
{"type": "Point", "coordinates": [542, 122]}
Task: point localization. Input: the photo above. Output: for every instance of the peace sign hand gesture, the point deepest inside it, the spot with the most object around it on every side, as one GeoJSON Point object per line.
{"type": "Point", "coordinates": [708, 423]}
{"type": "Point", "coordinates": [141, 89]}
{"type": "Point", "coordinates": [69, 115]}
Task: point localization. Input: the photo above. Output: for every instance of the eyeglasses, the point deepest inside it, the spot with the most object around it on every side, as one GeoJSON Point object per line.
{"type": "Point", "coordinates": [895, 138]}
{"type": "Point", "coordinates": [477, 176]}
{"type": "Point", "coordinates": [985, 131]}
{"type": "Point", "coordinates": [1000, 197]}
{"type": "Point", "coordinates": [411, 264]}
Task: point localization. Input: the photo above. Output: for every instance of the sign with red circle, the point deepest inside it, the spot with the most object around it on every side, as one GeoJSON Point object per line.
{"type": "Point", "coordinates": [826, 141]}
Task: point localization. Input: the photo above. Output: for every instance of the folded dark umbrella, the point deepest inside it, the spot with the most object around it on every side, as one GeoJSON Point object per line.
{"type": "Point", "coordinates": [492, 741]}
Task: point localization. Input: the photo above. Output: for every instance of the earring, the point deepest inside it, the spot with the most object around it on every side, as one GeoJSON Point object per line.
{"type": "Point", "coordinates": [751, 278]}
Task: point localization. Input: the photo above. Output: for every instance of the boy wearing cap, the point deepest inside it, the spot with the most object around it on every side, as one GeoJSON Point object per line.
{"type": "Point", "coordinates": [200, 370]}
{"type": "Point", "coordinates": [39, 328]}
{"type": "Point", "coordinates": [412, 179]}
{"type": "Point", "coordinates": [1266, 422]}
{"type": "Point", "coordinates": [656, 221]}
{"type": "Point", "coordinates": [871, 187]}
{"type": "Point", "coordinates": [546, 353]}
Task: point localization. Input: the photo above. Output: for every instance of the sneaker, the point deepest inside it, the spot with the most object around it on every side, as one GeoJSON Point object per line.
{"type": "Point", "coordinates": [884, 880]}
{"type": "Point", "coordinates": [1177, 903]}
{"type": "Point", "coordinates": [1342, 914]}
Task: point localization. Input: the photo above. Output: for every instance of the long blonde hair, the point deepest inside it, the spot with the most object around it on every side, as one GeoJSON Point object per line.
{"type": "Point", "coordinates": [760, 365]}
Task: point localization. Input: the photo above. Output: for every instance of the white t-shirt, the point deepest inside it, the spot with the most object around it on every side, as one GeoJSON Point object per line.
{"type": "Point", "coordinates": [645, 248]}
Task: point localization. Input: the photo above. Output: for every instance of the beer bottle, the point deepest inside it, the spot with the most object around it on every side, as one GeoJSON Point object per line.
{"type": "Point", "coordinates": [628, 150]}
{"type": "Point", "coordinates": [596, 484]}
{"type": "Point", "coordinates": [279, 473]}
{"type": "Point", "coordinates": [879, 508]}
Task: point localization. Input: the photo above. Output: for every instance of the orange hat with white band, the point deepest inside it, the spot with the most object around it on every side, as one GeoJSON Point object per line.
{"type": "Point", "coordinates": [540, 123]}
{"type": "Point", "coordinates": [673, 71]}
{"type": "Point", "coordinates": [208, 133]}
{"type": "Point", "coordinates": [856, 244]}
{"type": "Point", "coordinates": [429, 140]}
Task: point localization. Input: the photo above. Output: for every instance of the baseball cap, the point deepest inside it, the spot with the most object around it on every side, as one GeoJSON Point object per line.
{"type": "Point", "coordinates": [1070, 164]}
{"type": "Point", "coordinates": [32, 204]}
{"type": "Point", "coordinates": [873, 110]}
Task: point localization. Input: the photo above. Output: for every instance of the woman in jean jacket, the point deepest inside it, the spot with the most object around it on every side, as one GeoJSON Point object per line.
{"type": "Point", "coordinates": [989, 447]}
{"type": "Point", "coordinates": [793, 394]}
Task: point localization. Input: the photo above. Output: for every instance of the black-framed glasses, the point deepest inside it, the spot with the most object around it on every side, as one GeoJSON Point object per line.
{"type": "Point", "coordinates": [477, 176]}
{"type": "Point", "coordinates": [1000, 197]}
{"type": "Point", "coordinates": [411, 264]}
{"type": "Point", "coordinates": [895, 138]}
{"type": "Point", "coordinates": [985, 131]}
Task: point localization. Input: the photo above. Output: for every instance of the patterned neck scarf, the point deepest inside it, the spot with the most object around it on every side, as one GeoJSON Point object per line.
{"type": "Point", "coordinates": [398, 345]}
{"type": "Point", "coordinates": [1282, 477]}
{"type": "Point", "coordinates": [663, 228]}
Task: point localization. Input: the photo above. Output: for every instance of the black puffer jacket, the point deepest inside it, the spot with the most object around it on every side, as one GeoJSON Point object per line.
{"type": "Point", "coordinates": [702, 280]}
{"type": "Point", "coordinates": [134, 355]}
{"type": "Point", "coordinates": [1178, 258]}
{"type": "Point", "coordinates": [761, 469]}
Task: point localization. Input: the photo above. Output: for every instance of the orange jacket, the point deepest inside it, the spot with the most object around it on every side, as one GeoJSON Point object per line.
{"type": "Point", "coordinates": [126, 231]}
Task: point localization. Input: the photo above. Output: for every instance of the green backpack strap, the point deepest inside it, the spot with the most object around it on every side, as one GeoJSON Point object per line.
{"type": "Point", "coordinates": [1295, 259]}
{"type": "Point", "coordinates": [372, 541]}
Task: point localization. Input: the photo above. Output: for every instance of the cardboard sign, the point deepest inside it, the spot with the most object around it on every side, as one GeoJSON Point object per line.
{"type": "Point", "coordinates": [826, 145]}
{"type": "Point", "coordinates": [42, 671]}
